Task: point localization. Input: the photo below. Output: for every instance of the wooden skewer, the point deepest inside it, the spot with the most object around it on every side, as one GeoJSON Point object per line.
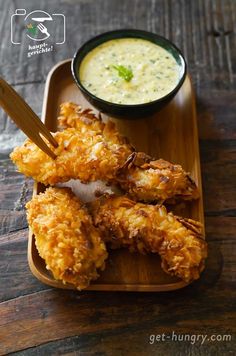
{"type": "Point", "coordinates": [24, 117]}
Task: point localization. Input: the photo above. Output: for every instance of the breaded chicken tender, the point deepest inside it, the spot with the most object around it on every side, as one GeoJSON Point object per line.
{"type": "Point", "coordinates": [84, 120]}
{"type": "Point", "coordinates": [147, 180]}
{"type": "Point", "coordinates": [87, 156]}
{"type": "Point", "coordinates": [142, 177]}
{"type": "Point", "coordinates": [65, 237]}
{"type": "Point", "coordinates": [149, 228]}
{"type": "Point", "coordinates": [91, 150]}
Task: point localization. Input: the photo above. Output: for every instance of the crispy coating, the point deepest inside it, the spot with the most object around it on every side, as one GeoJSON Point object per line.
{"type": "Point", "coordinates": [141, 177]}
{"type": "Point", "coordinates": [84, 120]}
{"type": "Point", "coordinates": [65, 237]}
{"type": "Point", "coordinates": [147, 180]}
{"type": "Point", "coordinates": [91, 150]}
{"type": "Point", "coordinates": [150, 228]}
{"type": "Point", "coordinates": [87, 156]}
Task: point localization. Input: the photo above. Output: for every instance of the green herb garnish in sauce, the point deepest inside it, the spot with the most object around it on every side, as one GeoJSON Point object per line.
{"type": "Point", "coordinates": [124, 72]}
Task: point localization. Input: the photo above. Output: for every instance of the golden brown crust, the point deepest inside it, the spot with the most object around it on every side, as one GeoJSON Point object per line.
{"type": "Point", "coordinates": [149, 228]}
{"type": "Point", "coordinates": [87, 157]}
{"type": "Point", "coordinates": [83, 120]}
{"type": "Point", "coordinates": [158, 180]}
{"type": "Point", "coordinates": [141, 177]}
{"type": "Point", "coordinates": [65, 237]}
{"type": "Point", "coordinates": [90, 150]}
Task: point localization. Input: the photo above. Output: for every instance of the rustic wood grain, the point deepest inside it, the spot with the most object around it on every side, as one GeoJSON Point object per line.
{"type": "Point", "coordinates": [38, 320]}
{"type": "Point", "coordinates": [16, 278]}
{"type": "Point", "coordinates": [86, 313]}
{"type": "Point", "coordinates": [116, 342]}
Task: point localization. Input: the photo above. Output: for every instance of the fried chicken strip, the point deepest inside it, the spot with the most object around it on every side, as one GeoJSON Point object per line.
{"type": "Point", "coordinates": [91, 150]}
{"type": "Point", "coordinates": [141, 177]}
{"type": "Point", "coordinates": [88, 156]}
{"type": "Point", "coordinates": [65, 237]}
{"type": "Point", "coordinates": [149, 228]}
{"type": "Point", "coordinates": [147, 180]}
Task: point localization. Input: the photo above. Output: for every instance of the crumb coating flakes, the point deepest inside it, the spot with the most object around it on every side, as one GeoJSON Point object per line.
{"type": "Point", "coordinates": [159, 180]}
{"type": "Point", "coordinates": [150, 228]}
{"type": "Point", "coordinates": [65, 237]}
{"type": "Point", "coordinates": [143, 178]}
{"type": "Point", "coordinates": [86, 157]}
{"type": "Point", "coordinates": [89, 150]}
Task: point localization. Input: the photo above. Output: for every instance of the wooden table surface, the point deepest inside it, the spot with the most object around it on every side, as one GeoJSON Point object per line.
{"type": "Point", "coordinates": [36, 319]}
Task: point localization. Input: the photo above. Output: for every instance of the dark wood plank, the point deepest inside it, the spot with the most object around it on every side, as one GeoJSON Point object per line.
{"type": "Point", "coordinates": [33, 317]}
{"type": "Point", "coordinates": [15, 275]}
{"type": "Point", "coordinates": [118, 343]}
{"type": "Point", "coordinates": [15, 191]}
{"type": "Point", "coordinates": [10, 134]}
{"type": "Point", "coordinates": [216, 228]}
{"type": "Point", "coordinates": [216, 115]}
{"type": "Point", "coordinates": [207, 42]}
{"type": "Point", "coordinates": [219, 172]}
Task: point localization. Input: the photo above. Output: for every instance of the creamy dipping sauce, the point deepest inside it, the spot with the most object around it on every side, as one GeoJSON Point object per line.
{"type": "Point", "coordinates": [129, 71]}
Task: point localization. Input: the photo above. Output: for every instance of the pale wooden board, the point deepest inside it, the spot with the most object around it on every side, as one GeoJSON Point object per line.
{"type": "Point", "coordinates": [171, 134]}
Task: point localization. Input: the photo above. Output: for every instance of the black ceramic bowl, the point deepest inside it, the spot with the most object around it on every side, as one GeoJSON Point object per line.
{"type": "Point", "coordinates": [126, 111]}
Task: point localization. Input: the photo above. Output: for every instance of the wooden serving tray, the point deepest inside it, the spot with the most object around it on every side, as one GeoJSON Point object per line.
{"type": "Point", "coordinates": [171, 135]}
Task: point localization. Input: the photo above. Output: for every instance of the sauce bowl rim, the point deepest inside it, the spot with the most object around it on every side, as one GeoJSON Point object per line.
{"type": "Point", "coordinates": [142, 34]}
